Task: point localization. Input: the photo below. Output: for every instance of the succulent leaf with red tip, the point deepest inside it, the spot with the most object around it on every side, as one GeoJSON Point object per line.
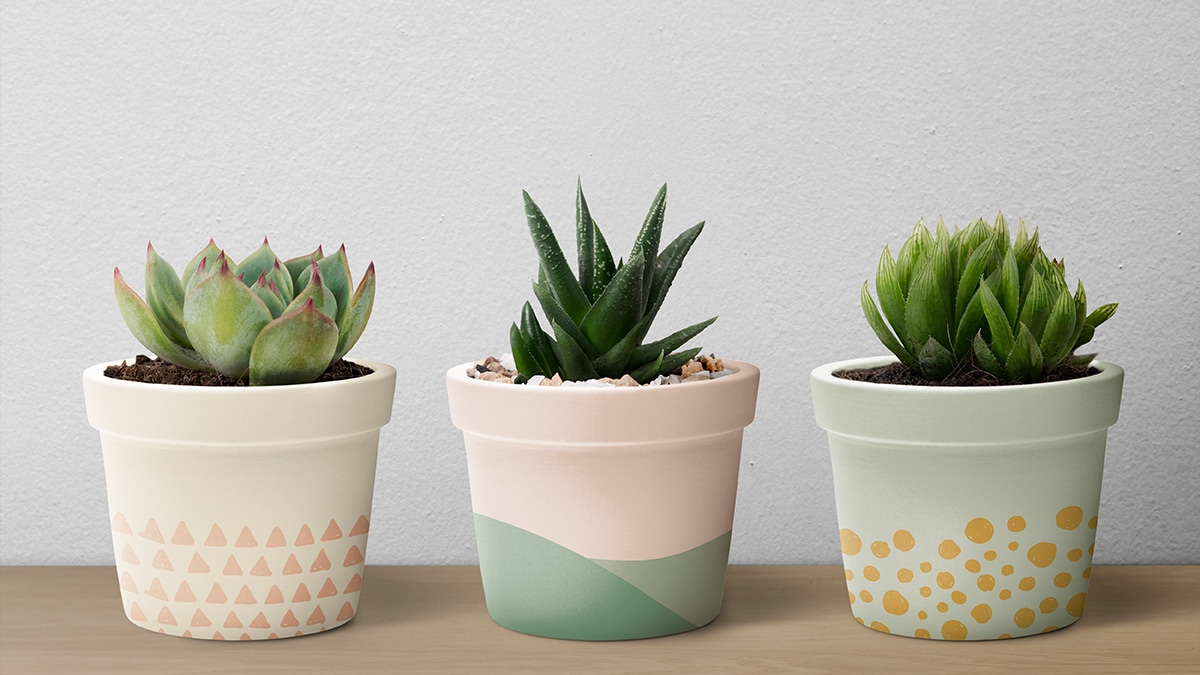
{"type": "Point", "coordinates": [271, 321]}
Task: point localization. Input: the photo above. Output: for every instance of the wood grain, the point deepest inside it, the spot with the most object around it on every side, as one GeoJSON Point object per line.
{"type": "Point", "coordinates": [432, 619]}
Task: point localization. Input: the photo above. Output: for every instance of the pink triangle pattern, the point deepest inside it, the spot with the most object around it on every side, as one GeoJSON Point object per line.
{"type": "Point", "coordinates": [246, 539]}
{"type": "Point", "coordinates": [152, 532]}
{"type": "Point", "coordinates": [120, 525]}
{"type": "Point", "coordinates": [182, 536]}
{"type": "Point", "coordinates": [332, 531]}
{"type": "Point", "coordinates": [276, 538]}
{"type": "Point", "coordinates": [255, 589]}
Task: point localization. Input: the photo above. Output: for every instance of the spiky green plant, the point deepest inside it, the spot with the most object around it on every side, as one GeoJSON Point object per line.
{"type": "Point", "coordinates": [276, 322]}
{"type": "Point", "coordinates": [600, 318]}
{"type": "Point", "coordinates": [973, 299]}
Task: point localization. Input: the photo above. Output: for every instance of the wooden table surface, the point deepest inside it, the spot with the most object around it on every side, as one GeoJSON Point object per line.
{"type": "Point", "coordinates": [432, 619]}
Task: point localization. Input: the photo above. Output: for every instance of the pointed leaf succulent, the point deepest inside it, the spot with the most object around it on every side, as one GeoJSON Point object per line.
{"type": "Point", "coordinates": [599, 318]}
{"type": "Point", "coordinates": [972, 298]}
{"type": "Point", "coordinates": [266, 320]}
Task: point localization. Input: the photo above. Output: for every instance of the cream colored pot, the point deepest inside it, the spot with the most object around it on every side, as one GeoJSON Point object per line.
{"type": "Point", "coordinates": [603, 514]}
{"type": "Point", "coordinates": [967, 512]}
{"type": "Point", "coordinates": [240, 513]}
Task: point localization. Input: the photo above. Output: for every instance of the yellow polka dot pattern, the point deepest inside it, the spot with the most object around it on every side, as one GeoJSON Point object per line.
{"type": "Point", "coordinates": [997, 577]}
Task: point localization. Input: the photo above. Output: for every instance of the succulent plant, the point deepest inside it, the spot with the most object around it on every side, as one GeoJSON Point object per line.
{"type": "Point", "coordinates": [276, 322]}
{"type": "Point", "coordinates": [972, 298]}
{"type": "Point", "coordinates": [599, 319]}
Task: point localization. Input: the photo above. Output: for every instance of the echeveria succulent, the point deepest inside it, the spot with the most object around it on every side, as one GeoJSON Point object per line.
{"type": "Point", "coordinates": [973, 299]}
{"type": "Point", "coordinates": [277, 322]}
{"type": "Point", "coordinates": [599, 319]}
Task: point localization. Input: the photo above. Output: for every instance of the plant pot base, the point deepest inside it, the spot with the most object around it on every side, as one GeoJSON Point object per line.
{"type": "Point", "coordinates": [535, 586]}
{"type": "Point", "coordinates": [1018, 576]}
{"type": "Point", "coordinates": [236, 582]}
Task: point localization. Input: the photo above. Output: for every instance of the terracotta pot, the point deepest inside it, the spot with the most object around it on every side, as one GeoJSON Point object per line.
{"type": "Point", "coordinates": [967, 512]}
{"type": "Point", "coordinates": [240, 512]}
{"type": "Point", "coordinates": [603, 514]}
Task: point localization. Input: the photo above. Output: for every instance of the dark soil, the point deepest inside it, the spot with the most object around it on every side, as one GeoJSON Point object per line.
{"type": "Point", "coordinates": [157, 371]}
{"type": "Point", "coordinates": [898, 373]}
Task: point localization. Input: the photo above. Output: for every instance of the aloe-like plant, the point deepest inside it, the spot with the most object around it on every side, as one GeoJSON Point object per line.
{"type": "Point", "coordinates": [599, 318]}
{"type": "Point", "coordinates": [972, 298]}
{"type": "Point", "coordinates": [275, 322]}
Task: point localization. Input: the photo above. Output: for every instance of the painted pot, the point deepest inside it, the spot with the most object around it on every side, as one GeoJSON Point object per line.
{"type": "Point", "coordinates": [240, 512]}
{"type": "Point", "coordinates": [967, 512]}
{"type": "Point", "coordinates": [603, 513]}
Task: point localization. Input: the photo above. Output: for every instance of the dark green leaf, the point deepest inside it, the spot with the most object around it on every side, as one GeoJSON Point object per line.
{"type": "Point", "coordinates": [585, 242]}
{"type": "Point", "coordinates": [618, 309]}
{"type": "Point", "coordinates": [576, 364]}
{"type": "Point", "coordinates": [555, 314]}
{"type": "Point", "coordinates": [537, 341]}
{"type": "Point", "coordinates": [673, 362]}
{"type": "Point", "coordinates": [527, 364]}
{"type": "Point", "coordinates": [670, 259]}
{"type": "Point", "coordinates": [648, 371]}
{"type": "Point", "coordinates": [648, 239]}
{"type": "Point", "coordinates": [563, 283]}
{"type": "Point", "coordinates": [604, 268]}
{"type": "Point", "coordinates": [670, 343]}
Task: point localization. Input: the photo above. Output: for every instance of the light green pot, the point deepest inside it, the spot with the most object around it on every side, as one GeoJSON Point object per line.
{"type": "Point", "coordinates": [967, 513]}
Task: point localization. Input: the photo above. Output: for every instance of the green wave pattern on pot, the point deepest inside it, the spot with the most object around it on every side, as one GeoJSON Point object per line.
{"type": "Point", "coordinates": [536, 586]}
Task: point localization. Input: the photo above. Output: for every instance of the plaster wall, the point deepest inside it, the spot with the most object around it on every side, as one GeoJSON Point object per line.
{"type": "Point", "coordinates": [807, 135]}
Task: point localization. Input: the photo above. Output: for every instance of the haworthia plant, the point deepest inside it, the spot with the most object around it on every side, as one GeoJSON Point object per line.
{"type": "Point", "coordinates": [972, 298]}
{"type": "Point", "coordinates": [600, 316]}
{"type": "Point", "coordinates": [271, 321]}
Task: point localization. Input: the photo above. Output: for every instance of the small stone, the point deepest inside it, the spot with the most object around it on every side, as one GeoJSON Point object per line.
{"type": "Point", "coordinates": [712, 364]}
{"type": "Point", "coordinates": [490, 376]}
{"type": "Point", "coordinates": [627, 381]}
{"type": "Point", "coordinates": [555, 381]}
{"type": "Point", "coordinates": [690, 368]}
{"type": "Point", "coordinates": [495, 366]}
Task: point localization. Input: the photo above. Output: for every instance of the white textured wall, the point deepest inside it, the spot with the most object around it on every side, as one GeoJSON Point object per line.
{"type": "Point", "coordinates": [808, 135]}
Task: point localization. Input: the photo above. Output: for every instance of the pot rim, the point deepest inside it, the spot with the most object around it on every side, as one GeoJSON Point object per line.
{"type": "Point", "coordinates": [286, 413]}
{"type": "Point", "coordinates": [825, 374]}
{"type": "Point", "coordinates": [740, 369]}
{"type": "Point", "coordinates": [95, 373]}
{"type": "Point", "coordinates": [960, 415]}
{"type": "Point", "coordinates": [604, 415]}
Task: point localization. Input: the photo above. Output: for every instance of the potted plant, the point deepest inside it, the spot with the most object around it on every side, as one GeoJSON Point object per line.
{"type": "Point", "coordinates": [967, 468]}
{"type": "Point", "coordinates": [603, 510]}
{"type": "Point", "coordinates": [241, 510]}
